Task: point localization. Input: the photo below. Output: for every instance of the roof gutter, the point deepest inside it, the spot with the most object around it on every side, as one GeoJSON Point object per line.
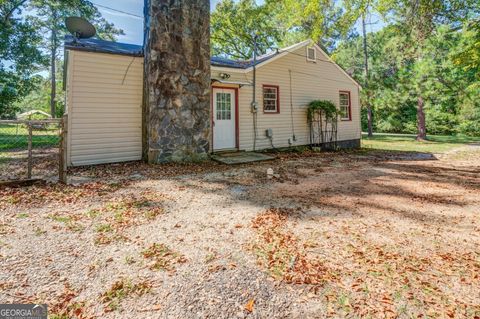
{"type": "Point", "coordinates": [239, 83]}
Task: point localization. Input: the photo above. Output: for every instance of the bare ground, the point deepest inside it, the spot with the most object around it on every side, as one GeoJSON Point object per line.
{"type": "Point", "coordinates": [14, 164]}
{"type": "Point", "coordinates": [362, 234]}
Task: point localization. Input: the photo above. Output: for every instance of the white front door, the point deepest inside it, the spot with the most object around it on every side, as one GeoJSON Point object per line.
{"type": "Point", "coordinates": [223, 118]}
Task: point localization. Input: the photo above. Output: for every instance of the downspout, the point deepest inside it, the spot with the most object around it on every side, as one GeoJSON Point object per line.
{"type": "Point", "coordinates": [146, 98]}
{"type": "Point", "coordinates": [65, 77]}
{"type": "Point", "coordinates": [254, 102]}
{"type": "Point", "coordinates": [294, 138]}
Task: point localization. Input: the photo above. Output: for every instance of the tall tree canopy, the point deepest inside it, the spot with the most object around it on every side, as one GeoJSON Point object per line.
{"type": "Point", "coordinates": [276, 23]}
{"type": "Point", "coordinates": [49, 17]}
{"type": "Point", "coordinates": [424, 73]}
{"type": "Point", "coordinates": [424, 64]}
{"type": "Point", "coordinates": [396, 79]}
{"type": "Point", "coordinates": [323, 21]}
{"type": "Point", "coordinates": [234, 25]}
{"type": "Point", "coordinates": [20, 58]}
{"type": "Point", "coordinates": [31, 35]}
{"type": "Point", "coordinates": [420, 21]}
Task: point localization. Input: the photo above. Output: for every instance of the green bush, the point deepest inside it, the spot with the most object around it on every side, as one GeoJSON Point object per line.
{"type": "Point", "coordinates": [470, 128]}
{"type": "Point", "coordinates": [60, 110]}
{"type": "Point", "coordinates": [328, 107]}
{"type": "Point", "coordinates": [441, 123]}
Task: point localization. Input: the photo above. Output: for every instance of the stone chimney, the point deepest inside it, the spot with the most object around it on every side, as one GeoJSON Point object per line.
{"type": "Point", "coordinates": [176, 114]}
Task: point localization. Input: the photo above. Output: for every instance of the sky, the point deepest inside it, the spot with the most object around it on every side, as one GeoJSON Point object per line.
{"type": "Point", "coordinates": [130, 20]}
{"type": "Point", "coordinates": [133, 25]}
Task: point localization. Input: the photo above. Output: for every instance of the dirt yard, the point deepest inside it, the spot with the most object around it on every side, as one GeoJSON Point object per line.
{"type": "Point", "coordinates": [362, 234]}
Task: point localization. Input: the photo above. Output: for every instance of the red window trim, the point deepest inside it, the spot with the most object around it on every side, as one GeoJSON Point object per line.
{"type": "Point", "coordinates": [349, 105]}
{"type": "Point", "coordinates": [278, 98]}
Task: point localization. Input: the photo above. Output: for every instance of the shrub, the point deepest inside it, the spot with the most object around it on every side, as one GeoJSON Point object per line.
{"type": "Point", "coordinates": [328, 108]}
{"type": "Point", "coordinates": [470, 128]}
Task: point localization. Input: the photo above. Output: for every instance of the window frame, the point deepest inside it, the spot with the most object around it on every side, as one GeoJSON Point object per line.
{"type": "Point", "coordinates": [223, 110]}
{"type": "Point", "coordinates": [314, 60]}
{"type": "Point", "coordinates": [277, 88]}
{"type": "Point", "coordinates": [349, 118]}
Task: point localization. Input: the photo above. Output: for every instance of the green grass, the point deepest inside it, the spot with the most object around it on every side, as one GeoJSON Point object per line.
{"type": "Point", "coordinates": [121, 289]}
{"type": "Point", "coordinates": [104, 228]}
{"type": "Point", "coordinates": [15, 137]}
{"type": "Point", "coordinates": [407, 142]}
{"type": "Point", "coordinates": [22, 215]}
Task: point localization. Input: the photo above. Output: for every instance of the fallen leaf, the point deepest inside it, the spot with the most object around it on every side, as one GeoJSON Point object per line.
{"type": "Point", "coordinates": [249, 305]}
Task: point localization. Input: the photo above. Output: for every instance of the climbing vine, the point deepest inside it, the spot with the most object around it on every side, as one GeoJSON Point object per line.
{"type": "Point", "coordinates": [328, 108]}
{"type": "Point", "coordinates": [323, 119]}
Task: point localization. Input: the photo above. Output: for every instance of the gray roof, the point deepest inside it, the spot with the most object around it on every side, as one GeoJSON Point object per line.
{"type": "Point", "coordinates": [102, 46]}
{"type": "Point", "coordinates": [240, 64]}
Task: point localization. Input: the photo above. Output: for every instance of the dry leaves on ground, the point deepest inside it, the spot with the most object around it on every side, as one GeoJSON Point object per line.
{"type": "Point", "coordinates": [123, 212]}
{"type": "Point", "coordinates": [130, 209]}
{"type": "Point", "coordinates": [387, 281]}
{"type": "Point", "coordinates": [43, 194]}
{"type": "Point", "coordinates": [66, 306]}
{"type": "Point", "coordinates": [282, 254]}
{"type": "Point", "coordinates": [140, 169]}
{"type": "Point", "coordinates": [378, 281]}
{"type": "Point", "coordinates": [249, 305]}
{"type": "Point", "coordinates": [162, 257]}
{"type": "Point", "coordinates": [122, 289]}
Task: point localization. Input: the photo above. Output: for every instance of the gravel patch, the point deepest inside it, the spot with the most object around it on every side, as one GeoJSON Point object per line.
{"type": "Point", "coordinates": [373, 219]}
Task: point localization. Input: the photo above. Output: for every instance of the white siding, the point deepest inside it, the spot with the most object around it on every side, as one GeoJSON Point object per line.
{"type": "Point", "coordinates": [105, 114]}
{"type": "Point", "coordinates": [310, 81]}
{"type": "Point", "coordinates": [104, 108]}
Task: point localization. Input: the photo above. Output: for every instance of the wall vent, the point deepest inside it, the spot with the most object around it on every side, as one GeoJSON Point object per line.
{"type": "Point", "coordinates": [311, 54]}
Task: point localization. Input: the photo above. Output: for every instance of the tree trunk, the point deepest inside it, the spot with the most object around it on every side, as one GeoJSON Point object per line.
{"type": "Point", "coordinates": [367, 75]}
{"type": "Point", "coordinates": [53, 70]}
{"type": "Point", "coordinates": [422, 132]}
{"type": "Point", "coordinates": [176, 111]}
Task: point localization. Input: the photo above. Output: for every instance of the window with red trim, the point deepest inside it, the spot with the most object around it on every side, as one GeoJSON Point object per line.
{"type": "Point", "coordinates": [345, 106]}
{"type": "Point", "coordinates": [271, 99]}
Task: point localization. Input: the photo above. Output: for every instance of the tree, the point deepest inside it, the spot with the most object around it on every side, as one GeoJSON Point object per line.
{"type": "Point", "coordinates": [418, 19]}
{"type": "Point", "coordinates": [49, 17]}
{"type": "Point", "coordinates": [20, 58]}
{"type": "Point", "coordinates": [466, 58]}
{"type": "Point", "coordinates": [359, 10]}
{"type": "Point", "coordinates": [30, 38]}
{"type": "Point", "coordinates": [450, 100]}
{"type": "Point", "coordinates": [276, 23]}
{"type": "Point", "coordinates": [39, 99]}
{"type": "Point", "coordinates": [392, 110]}
{"type": "Point", "coordinates": [323, 21]}
{"type": "Point", "coordinates": [8, 9]}
{"type": "Point", "coordinates": [234, 25]}
{"type": "Point", "coordinates": [367, 75]}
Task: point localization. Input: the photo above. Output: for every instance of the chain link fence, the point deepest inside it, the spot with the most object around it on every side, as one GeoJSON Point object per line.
{"type": "Point", "coordinates": [31, 150]}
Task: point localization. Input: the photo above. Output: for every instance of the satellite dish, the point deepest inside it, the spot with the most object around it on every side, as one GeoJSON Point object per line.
{"type": "Point", "coordinates": [80, 28]}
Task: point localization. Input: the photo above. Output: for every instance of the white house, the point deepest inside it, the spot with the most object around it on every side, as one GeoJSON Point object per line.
{"type": "Point", "coordinates": [104, 85]}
